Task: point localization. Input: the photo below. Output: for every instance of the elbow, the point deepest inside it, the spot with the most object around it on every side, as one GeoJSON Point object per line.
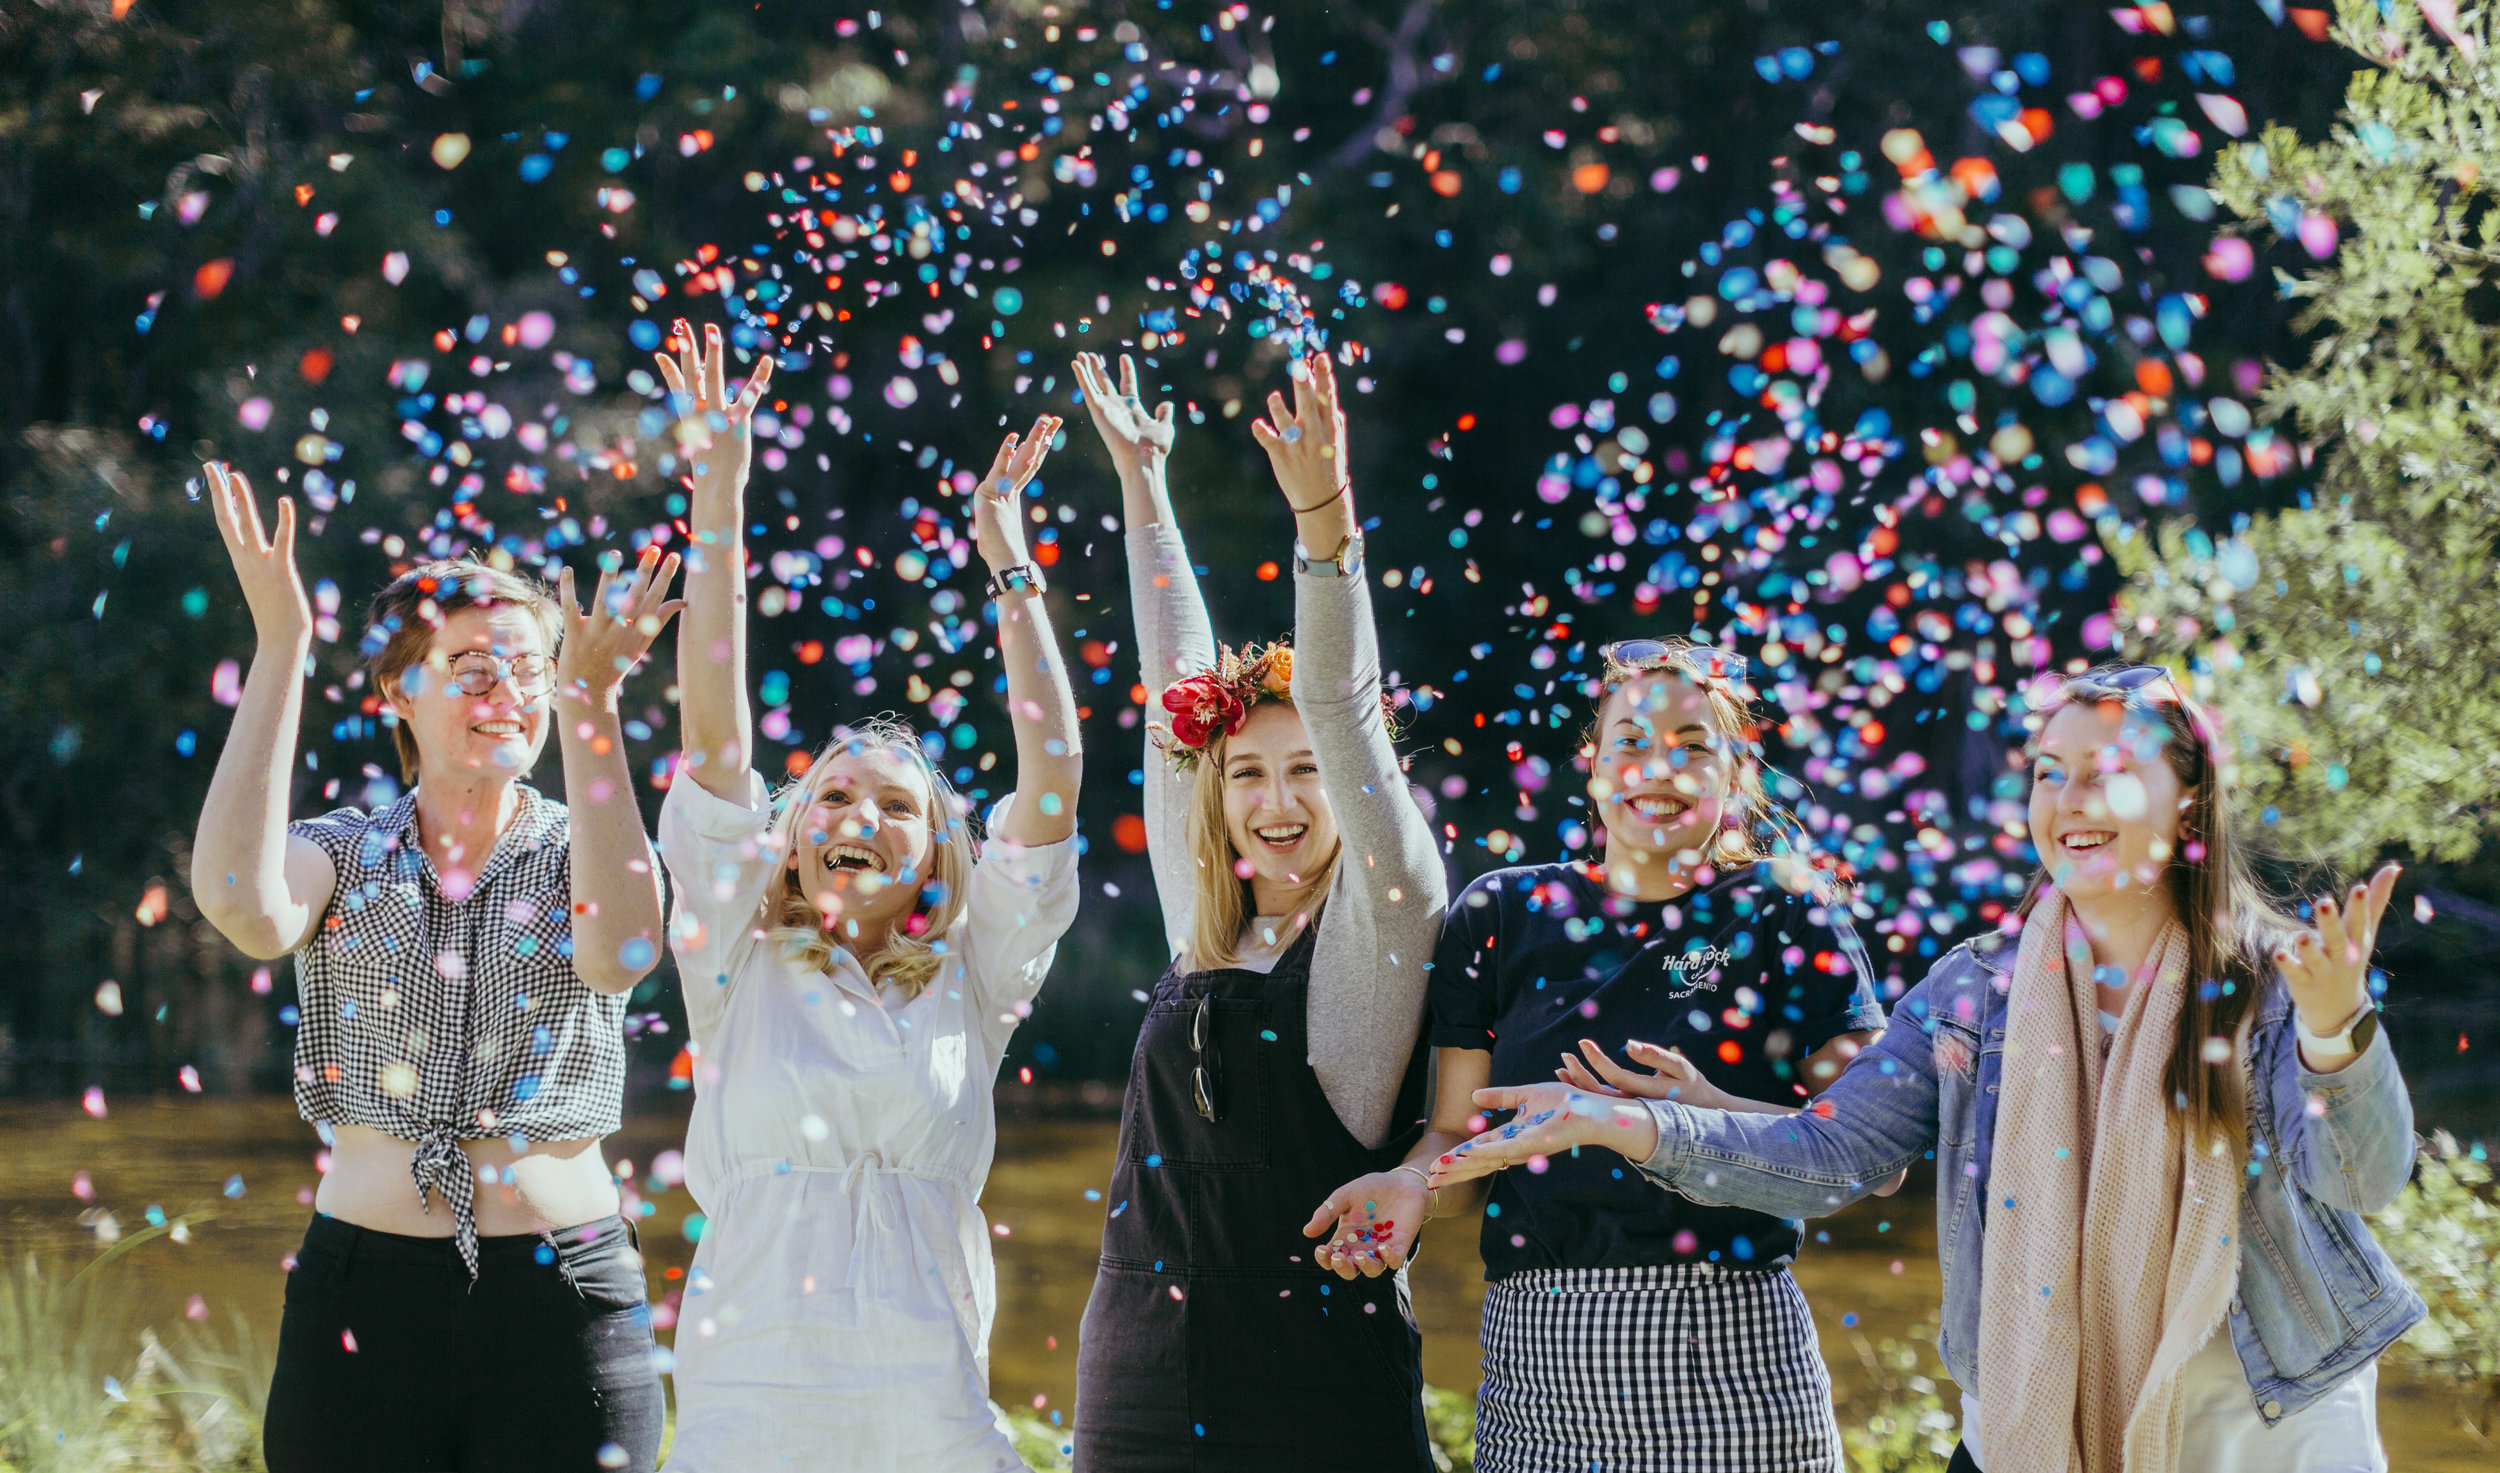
{"type": "Point", "coordinates": [611, 978]}
{"type": "Point", "coordinates": [255, 935]}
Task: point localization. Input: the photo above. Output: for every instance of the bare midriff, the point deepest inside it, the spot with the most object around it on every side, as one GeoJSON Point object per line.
{"type": "Point", "coordinates": [548, 1186]}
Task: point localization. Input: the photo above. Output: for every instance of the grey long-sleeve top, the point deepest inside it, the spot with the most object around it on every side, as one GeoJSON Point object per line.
{"type": "Point", "coordinates": [1384, 908]}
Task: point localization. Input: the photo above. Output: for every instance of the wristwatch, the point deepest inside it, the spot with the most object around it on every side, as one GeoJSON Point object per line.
{"type": "Point", "coordinates": [1345, 562]}
{"type": "Point", "coordinates": [2354, 1038]}
{"type": "Point", "coordinates": [1023, 577]}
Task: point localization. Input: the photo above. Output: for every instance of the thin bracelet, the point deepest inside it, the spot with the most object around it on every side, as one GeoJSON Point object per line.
{"type": "Point", "coordinates": [1304, 511]}
{"type": "Point", "coordinates": [1430, 1191]}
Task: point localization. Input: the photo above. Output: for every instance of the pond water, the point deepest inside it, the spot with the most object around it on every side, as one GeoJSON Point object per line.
{"type": "Point", "coordinates": [1872, 1281]}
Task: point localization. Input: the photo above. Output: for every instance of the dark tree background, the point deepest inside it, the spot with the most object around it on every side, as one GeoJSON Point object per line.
{"type": "Point", "coordinates": [200, 202]}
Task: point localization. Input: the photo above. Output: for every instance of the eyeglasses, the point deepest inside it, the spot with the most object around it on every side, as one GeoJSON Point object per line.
{"type": "Point", "coordinates": [1206, 1075]}
{"type": "Point", "coordinates": [476, 673]}
{"type": "Point", "coordinates": [1657, 654]}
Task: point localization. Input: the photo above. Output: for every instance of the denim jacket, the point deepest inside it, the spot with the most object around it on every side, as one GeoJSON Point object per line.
{"type": "Point", "coordinates": [2317, 1300]}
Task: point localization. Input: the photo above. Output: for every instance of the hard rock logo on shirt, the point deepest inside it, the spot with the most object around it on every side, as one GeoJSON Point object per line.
{"type": "Point", "coordinates": [1695, 971]}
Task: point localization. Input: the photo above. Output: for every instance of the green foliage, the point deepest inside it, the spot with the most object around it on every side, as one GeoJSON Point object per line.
{"type": "Point", "coordinates": [1896, 1421]}
{"type": "Point", "coordinates": [2444, 1233]}
{"type": "Point", "coordinates": [1450, 1420]}
{"type": "Point", "coordinates": [2350, 643]}
{"type": "Point", "coordinates": [73, 1398]}
{"type": "Point", "coordinates": [1044, 1448]}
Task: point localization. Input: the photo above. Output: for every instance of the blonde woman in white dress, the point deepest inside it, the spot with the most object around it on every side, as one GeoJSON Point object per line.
{"type": "Point", "coordinates": [852, 974]}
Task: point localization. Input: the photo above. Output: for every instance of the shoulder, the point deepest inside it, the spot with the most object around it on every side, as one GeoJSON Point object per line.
{"type": "Point", "coordinates": [1534, 884]}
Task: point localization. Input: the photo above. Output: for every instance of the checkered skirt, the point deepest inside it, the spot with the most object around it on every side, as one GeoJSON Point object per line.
{"type": "Point", "coordinates": [1674, 1368]}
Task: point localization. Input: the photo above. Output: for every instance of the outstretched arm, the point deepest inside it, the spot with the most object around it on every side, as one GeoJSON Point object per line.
{"type": "Point", "coordinates": [1050, 761]}
{"type": "Point", "coordinates": [716, 439]}
{"type": "Point", "coordinates": [1174, 637]}
{"type": "Point", "coordinates": [262, 888]}
{"type": "Point", "coordinates": [616, 879]}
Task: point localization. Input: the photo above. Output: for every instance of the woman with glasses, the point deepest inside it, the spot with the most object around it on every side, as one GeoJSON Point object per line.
{"type": "Point", "coordinates": [853, 971]}
{"type": "Point", "coordinates": [1624, 1329]}
{"type": "Point", "coordinates": [1300, 897]}
{"type": "Point", "coordinates": [467, 1294]}
{"type": "Point", "coordinates": [2159, 1106]}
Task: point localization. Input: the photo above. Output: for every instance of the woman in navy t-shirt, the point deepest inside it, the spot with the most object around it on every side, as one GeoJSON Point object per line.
{"type": "Point", "coordinates": [1625, 1328]}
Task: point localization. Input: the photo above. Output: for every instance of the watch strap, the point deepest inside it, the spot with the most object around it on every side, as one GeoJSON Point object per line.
{"type": "Point", "coordinates": [1023, 577]}
{"type": "Point", "coordinates": [2354, 1037]}
{"type": "Point", "coordinates": [1345, 562]}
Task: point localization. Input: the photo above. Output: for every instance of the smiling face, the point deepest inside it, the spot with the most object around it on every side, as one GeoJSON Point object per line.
{"type": "Point", "coordinates": [862, 845]}
{"type": "Point", "coordinates": [1663, 771]}
{"type": "Point", "coordinates": [2105, 800]}
{"type": "Point", "coordinates": [461, 736]}
{"type": "Point", "coordinates": [1275, 811]}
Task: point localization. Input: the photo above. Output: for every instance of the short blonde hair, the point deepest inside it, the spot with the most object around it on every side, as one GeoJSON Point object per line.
{"type": "Point", "coordinates": [399, 628]}
{"type": "Point", "coordinates": [914, 952]}
{"type": "Point", "coordinates": [1223, 906]}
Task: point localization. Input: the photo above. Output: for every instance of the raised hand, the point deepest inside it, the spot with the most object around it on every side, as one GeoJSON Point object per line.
{"type": "Point", "coordinates": [264, 562]}
{"type": "Point", "coordinates": [715, 433]}
{"type": "Point", "coordinates": [2327, 967]}
{"type": "Point", "coordinates": [1672, 1076]}
{"type": "Point", "coordinates": [1551, 1120]}
{"type": "Point", "coordinates": [1137, 441]}
{"type": "Point", "coordinates": [604, 642]}
{"type": "Point", "coordinates": [1370, 1224]}
{"type": "Point", "coordinates": [997, 524]}
{"type": "Point", "coordinates": [1306, 444]}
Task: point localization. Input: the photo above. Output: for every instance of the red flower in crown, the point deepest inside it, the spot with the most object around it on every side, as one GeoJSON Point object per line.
{"type": "Point", "coordinates": [1200, 705]}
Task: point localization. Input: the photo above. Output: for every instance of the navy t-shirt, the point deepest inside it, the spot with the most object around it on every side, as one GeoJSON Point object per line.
{"type": "Point", "coordinates": [1745, 977]}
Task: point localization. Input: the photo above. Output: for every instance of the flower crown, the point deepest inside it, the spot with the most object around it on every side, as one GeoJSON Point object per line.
{"type": "Point", "coordinates": [1216, 701]}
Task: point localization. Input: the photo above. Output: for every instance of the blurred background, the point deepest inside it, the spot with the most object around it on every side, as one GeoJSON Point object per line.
{"type": "Point", "coordinates": [1915, 351]}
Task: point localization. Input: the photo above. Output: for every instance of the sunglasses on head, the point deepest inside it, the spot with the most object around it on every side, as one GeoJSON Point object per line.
{"type": "Point", "coordinates": [1657, 654]}
{"type": "Point", "coordinates": [2129, 679]}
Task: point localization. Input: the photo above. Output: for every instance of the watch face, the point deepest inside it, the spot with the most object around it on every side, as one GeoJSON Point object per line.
{"type": "Point", "coordinates": [2364, 1031]}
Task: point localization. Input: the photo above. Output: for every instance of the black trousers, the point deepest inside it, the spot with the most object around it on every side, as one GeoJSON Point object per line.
{"type": "Point", "coordinates": [391, 1361]}
{"type": "Point", "coordinates": [1962, 1462]}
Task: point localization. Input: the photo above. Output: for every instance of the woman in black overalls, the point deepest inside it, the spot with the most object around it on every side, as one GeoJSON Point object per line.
{"type": "Point", "coordinates": [1302, 894]}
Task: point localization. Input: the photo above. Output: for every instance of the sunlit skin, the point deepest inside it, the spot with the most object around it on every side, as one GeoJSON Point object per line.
{"type": "Point", "coordinates": [1275, 811]}
{"type": "Point", "coordinates": [865, 844]}
{"type": "Point", "coordinates": [1659, 781]}
{"type": "Point", "coordinates": [2105, 809]}
{"type": "Point", "coordinates": [1662, 780]}
{"type": "Point", "coordinates": [267, 890]}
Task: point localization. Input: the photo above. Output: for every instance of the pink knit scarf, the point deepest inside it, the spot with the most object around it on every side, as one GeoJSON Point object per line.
{"type": "Point", "coordinates": [2109, 1251]}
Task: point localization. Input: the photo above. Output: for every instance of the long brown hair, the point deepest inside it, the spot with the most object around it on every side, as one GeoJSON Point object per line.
{"type": "Point", "coordinates": [2233, 925]}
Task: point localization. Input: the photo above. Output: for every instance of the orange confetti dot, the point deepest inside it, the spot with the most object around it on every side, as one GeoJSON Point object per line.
{"type": "Point", "coordinates": [212, 277]}
{"type": "Point", "coordinates": [1730, 1051]}
{"type": "Point", "coordinates": [1268, 572]}
{"type": "Point", "coordinates": [1466, 421]}
{"type": "Point", "coordinates": [1446, 183]}
{"type": "Point", "coordinates": [1590, 178]}
{"type": "Point", "coordinates": [1129, 832]}
{"type": "Point", "coordinates": [2153, 377]}
{"type": "Point", "coordinates": [314, 365]}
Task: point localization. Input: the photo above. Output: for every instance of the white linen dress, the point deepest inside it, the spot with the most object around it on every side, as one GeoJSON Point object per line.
{"type": "Point", "coordinates": [838, 1311]}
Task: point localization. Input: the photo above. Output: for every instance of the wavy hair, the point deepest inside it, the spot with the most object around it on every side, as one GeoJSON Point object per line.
{"type": "Point", "coordinates": [914, 950]}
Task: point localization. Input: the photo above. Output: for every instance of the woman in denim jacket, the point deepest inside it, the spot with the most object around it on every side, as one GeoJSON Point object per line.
{"type": "Point", "coordinates": [2165, 1180]}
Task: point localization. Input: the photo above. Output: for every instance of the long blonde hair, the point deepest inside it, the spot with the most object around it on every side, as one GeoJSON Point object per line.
{"type": "Point", "coordinates": [1224, 906]}
{"type": "Point", "coordinates": [916, 949]}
